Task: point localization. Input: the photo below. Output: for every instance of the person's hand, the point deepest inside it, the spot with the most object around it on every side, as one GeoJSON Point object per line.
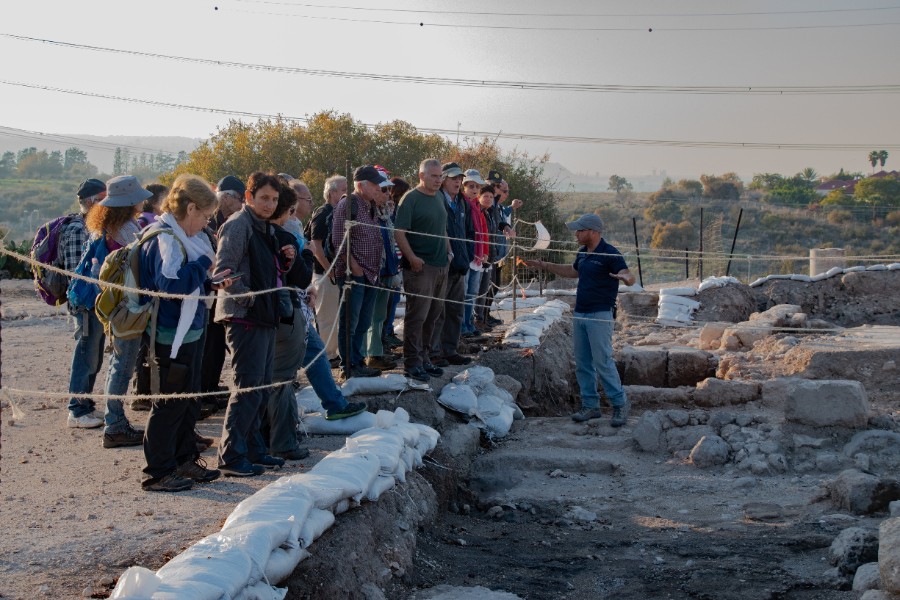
{"type": "Point", "coordinates": [222, 282]}
{"type": "Point", "coordinates": [289, 251]}
{"type": "Point", "coordinates": [516, 204]}
{"type": "Point", "coordinates": [620, 277]}
{"type": "Point", "coordinates": [534, 264]}
{"type": "Point", "coordinates": [416, 264]}
{"type": "Point", "coordinates": [311, 295]}
{"type": "Point", "coordinates": [510, 233]}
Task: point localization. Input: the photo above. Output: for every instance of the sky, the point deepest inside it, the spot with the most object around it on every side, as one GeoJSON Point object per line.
{"type": "Point", "coordinates": [693, 44]}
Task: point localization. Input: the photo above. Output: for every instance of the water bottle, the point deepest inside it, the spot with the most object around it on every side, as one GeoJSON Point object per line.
{"type": "Point", "coordinates": [95, 268]}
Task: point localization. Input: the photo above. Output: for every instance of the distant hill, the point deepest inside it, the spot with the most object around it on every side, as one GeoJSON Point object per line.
{"type": "Point", "coordinates": [564, 180]}
{"type": "Point", "coordinates": [101, 149]}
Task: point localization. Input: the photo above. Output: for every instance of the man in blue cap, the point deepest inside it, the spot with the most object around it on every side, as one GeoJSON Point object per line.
{"type": "Point", "coordinates": [599, 267]}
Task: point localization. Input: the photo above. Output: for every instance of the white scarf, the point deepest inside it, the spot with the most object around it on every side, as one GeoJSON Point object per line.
{"type": "Point", "coordinates": [172, 256]}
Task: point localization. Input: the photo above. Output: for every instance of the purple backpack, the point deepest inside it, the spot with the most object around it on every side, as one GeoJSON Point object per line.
{"type": "Point", "coordinates": [50, 285]}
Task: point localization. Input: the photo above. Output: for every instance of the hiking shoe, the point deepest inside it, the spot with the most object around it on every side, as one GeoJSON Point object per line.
{"type": "Point", "coordinates": [417, 373]}
{"type": "Point", "coordinates": [363, 371]}
{"type": "Point", "coordinates": [170, 483]}
{"type": "Point", "coordinates": [268, 461]}
{"type": "Point", "coordinates": [242, 469]}
{"type": "Point", "coordinates": [493, 321]}
{"type": "Point", "coordinates": [200, 440]}
{"type": "Point", "coordinates": [457, 359]}
{"type": "Point", "coordinates": [129, 437]}
{"type": "Point", "coordinates": [83, 422]}
{"type": "Point", "coordinates": [141, 404]}
{"type": "Point", "coordinates": [392, 341]}
{"type": "Point", "coordinates": [433, 370]}
{"type": "Point", "coordinates": [439, 361]}
{"type": "Point", "coordinates": [296, 454]}
{"type": "Point", "coordinates": [335, 362]}
{"type": "Point", "coordinates": [197, 471]}
{"type": "Point", "coordinates": [586, 414]}
{"type": "Point", "coordinates": [382, 363]}
{"type": "Point", "coordinates": [352, 409]}
{"type": "Point", "coordinates": [620, 414]}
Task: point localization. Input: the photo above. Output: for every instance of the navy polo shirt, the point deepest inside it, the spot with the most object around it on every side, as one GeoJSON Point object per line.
{"type": "Point", "coordinates": [596, 289]}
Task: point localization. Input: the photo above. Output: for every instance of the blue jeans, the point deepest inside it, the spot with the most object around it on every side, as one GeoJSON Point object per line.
{"type": "Point", "coordinates": [318, 372]}
{"type": "Point", "coordinates": [86, 360]}
{"type": "Point", "coordinates": [360, 303]}
{"type": "Point", "coordinates": [594, 358]}
{"type": "Point", "coordinates": [473, 282]}
{"type": "Point", "coordinates": [393, 301]}
{"type": "Point", "coordinates": [121, 368]}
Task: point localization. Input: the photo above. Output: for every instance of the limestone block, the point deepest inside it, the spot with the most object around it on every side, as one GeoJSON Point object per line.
{"type": "Point", "coordinates": [721, 392]}
{"type": "Point", "coordinates": [677, 417]}
{"type": "Point", "coordinates": [867, 578]}
{"type": "Point", "coordinates": [828, 403]}
{"type": "Point", "coordinates": [642, 366]}
{"type": "Point", "coordinates": [685, 438]}
{"type": "Point", "coordinates": [711, 335]}
{"type": "Point", "coordinates": [889, 555]}
{"type": "Point", "coordinates": [687, 366]}
{"type": "Point", "coordinates": [710, 451]}
{"type": "Point", "coordinates": [647, 432]}
{"type": "Point", "coordinates": [775, 392]}
{"type": "Point", "coordinates": [646, 395]}
{"type": "Point", "coordinates": [863, 493]}
{"type": "Point", "coordinates": [853, 547]}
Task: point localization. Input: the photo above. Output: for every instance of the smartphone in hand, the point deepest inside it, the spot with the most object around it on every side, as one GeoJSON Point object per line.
{"type": "Point", "coordinates": [230, 277]}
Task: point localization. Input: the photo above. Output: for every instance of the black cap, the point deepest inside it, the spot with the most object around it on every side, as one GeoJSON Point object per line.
{"type": "Point", "coordinates": [495, 176]}
{"type": "Point", "coordinates": [230, 183]}
{"type": "Point", "coordinates": [90, 187]}
{"type": "Point", "coordinates": [369, 173]}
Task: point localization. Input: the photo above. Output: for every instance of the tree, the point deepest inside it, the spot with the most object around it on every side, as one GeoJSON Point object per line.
{"type": "Point", "coordinates": [667, 211]}
{"type": "Point", "coordinates": [873, 158]}
{"type": "Point", "coordinates": [809, 174]}
{"type": "Point", "coordinates": [728, 186]}
{"type": "Point", "coordinates": [7, 164]}
{"type": "Point", "coordinates": [74, 156]}
{"type": "Point", "coordinates": [674, 237]}
{"type": "Point", "coordinates": [798, 190]}
{"type": "Point", "coordinates": [882, 157]}
{"type": "Point", "coordinates": [618, 184]}
{"type": "Point", "coordinates": [765, 181]}
{"type": "Point", "coordinates": [878, 191]}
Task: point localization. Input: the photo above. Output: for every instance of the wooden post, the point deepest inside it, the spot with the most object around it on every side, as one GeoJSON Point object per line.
{"type": "Point", "coordinates": [700, 258]}
{"type": "Point", "coordinates": [687, 265]}
{"type": "Point", "coordinates": [515, 259]}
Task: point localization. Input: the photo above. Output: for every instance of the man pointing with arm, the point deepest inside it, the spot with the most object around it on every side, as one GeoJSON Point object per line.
{"type": "Point", "coordinates": [599, 267]}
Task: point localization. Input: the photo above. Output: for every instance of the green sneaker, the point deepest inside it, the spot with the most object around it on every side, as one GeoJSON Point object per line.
{"type": "Point", "coordinates": [351, 410]}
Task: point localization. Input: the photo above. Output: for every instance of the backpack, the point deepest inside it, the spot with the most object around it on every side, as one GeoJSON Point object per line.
{"type": "Point", "coordinates": [83, 294]}
{"type": "Point", "coordinates": [329, 247]}
{"type": "Point", "coordinates": [50, 285]}
{"type": "Point", "coordinates": [122, 314]}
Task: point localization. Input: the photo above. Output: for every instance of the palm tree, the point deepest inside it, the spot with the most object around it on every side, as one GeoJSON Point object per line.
{"type": "Point", "coordinates": [809, 175]}
{"type": "Point", "coordinates": [873, 159]}
{"type": "Point", "coordinates": [882, 157]}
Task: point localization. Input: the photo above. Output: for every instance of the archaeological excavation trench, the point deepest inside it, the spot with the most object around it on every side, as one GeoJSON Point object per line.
{"type": "Point", "coordinates": [717, 488]}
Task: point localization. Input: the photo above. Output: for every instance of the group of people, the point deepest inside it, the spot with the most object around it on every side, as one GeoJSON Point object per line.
{"type": "Point", "coordinates": [279, 293]}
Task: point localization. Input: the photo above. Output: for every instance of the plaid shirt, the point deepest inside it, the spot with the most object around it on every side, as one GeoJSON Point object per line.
{"type": "Point", "coordinates": [72, 242]}
{"type": "Point", "coordinates": [365, 240]}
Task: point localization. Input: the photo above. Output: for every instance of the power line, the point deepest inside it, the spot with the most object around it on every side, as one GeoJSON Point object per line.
{"type": "Point", "coordinates": [487, 83]}
{"type": "Point", "coordinates": [491, 134]}
{"type": "Point", "coordinates": [605, 15]}
{"type": "Point", "coordinates": [422, 24]}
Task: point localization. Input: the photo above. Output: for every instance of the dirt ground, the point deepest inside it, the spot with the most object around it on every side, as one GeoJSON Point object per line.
{"type": "Point", "coordinates": [582, 513]}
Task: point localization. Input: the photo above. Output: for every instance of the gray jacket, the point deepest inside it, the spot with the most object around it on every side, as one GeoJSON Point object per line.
{"type": "Point", "coordinates": [234, 253]}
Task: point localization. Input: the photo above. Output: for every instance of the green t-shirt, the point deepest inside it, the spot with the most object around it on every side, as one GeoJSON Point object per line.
{"type": "Point", "coordinates": [420, 213]}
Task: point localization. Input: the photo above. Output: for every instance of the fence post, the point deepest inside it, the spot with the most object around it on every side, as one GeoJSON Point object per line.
{"type": "Point", "coordinates": [348, 278]}
{"type": "Point", "coordinates": [734, 241]}
{"type": "Point", "coordinates": [700, 258]}
{"type": "Point", "coordinates": [637, 249]}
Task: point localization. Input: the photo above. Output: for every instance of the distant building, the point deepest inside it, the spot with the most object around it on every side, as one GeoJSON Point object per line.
{"type": "Point", "coordinates": [849, 187]}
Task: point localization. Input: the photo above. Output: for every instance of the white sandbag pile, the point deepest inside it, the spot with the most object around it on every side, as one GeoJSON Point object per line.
{"type": "Point", "coordinates": [312, 414]}
{"type": "Point", "coordinates": [527, 329]}
{"type": "Point", "coordinates": [832, 272]}
{"type": "Point", "coordinates": [474, 394]}
{"type": "Point", "coordinates": [267, 534]}
{"type": "Point", "coordinates": [531, 292]}
{"type": "Point", "coordinates": [675, 307]}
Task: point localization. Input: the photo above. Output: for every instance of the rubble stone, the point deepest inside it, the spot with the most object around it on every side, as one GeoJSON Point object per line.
{"type": "Point", "coordinates": [710, 451]}
{"type": "Point", "coordinates": [882, 449]}
{"type": "Point", "coordinates": [863, 493]}
{"type": "Point", "coordinates": [647, 432]}
{"type": "Point", "coordinates": [853, 547]}
{"type": "Point", "coordinates": [685, 438]}
{"type": "Point", "coordinates": [867, 577]}
{"type": "Point", "coordinates": [827, 404]}
{"type": "Point", "coordinates": [889, 555]}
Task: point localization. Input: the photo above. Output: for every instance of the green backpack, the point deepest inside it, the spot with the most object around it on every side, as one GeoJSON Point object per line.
{"type": "Point", "coordinates": [122, 314]}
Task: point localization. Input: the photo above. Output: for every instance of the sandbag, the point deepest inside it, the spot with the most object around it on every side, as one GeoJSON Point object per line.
{"type": "Point", "coordinates": [316, 524]}
{"type": "Point", "coordinates": [136, 583]}
{"type": "Point", "coordinates": [213, 566]}
{"type": "Point", "coordinates": [282, 563]}
{"type": "Point", "coordinates": [357, 468]}
{"type": "Point", "coordinates": [678, 291]}
{"type": "Point", "coordinates": [381, 484]}
{"type": "Point", "coordinates": [261, 591]}
{"type": "Point", "coordinates": [460, 398]}
{"type": "Point", "coordinates": [392, 382]}
{"type": "Point", "coordinates": [308, 401]}
{"type": "Point", "coordinates": [714, 282]}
